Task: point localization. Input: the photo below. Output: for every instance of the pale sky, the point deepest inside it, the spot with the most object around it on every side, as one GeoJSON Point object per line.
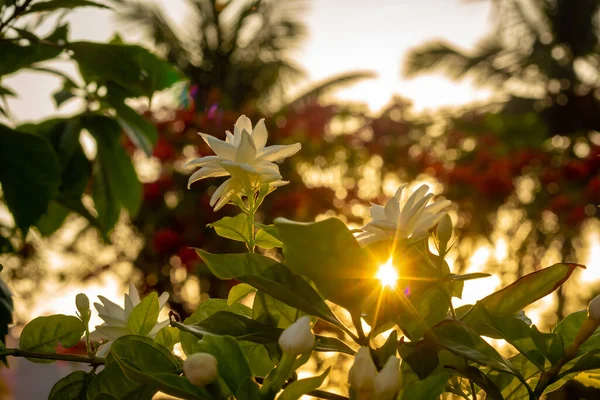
{"type": "Point", "coordinates": [344, 35]}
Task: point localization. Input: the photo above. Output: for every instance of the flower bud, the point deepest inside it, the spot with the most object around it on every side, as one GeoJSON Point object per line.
{"type": "Point", "coordinates": [387, 382]}
{"type": "Point", "coordinates": [83, 306]}
{"type": "Point", "coordinates": [297, 338]}
{"type": "Point", "coordinates": [200, 369]}
{"type": "Point", "coordinates": [363, 372]}
{"type": "Point", "coordinates": [594, 308]}
{"type": "Point", "coordinates": [444, 231]}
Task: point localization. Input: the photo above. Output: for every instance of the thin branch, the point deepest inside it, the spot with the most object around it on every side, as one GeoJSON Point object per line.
{"type": "Point", "coordinates": [15, 14]}
{"type": "Point", "coordinates": [94, 361]}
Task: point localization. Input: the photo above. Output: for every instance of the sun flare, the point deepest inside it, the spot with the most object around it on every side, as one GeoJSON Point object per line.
{"type": "Point", "coordinates": [387, 274]}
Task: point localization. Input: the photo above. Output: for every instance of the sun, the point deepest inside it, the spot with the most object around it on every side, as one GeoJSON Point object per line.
{"type": "Point", "coordinates": [387, 274]}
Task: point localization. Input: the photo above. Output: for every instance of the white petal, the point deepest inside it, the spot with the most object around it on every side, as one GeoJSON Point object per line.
{"type": "Point", "coordinates": [223, 149]}
{"type": "Point", "coordinates": [427, 223]}
{"type": "Point", "coordinates": [104, 349]}
{"type": "Point", "coordinates": [157, 328]}
{"type": "Point", "coordinates": [206, 172]}
{"type": "Point", "coordinates": [278, 183]}
{"type": "Point", "coordinates": [111, 332]}
{"type": "Point", "coordinates": [414, 215]}
{"type": "Point", "coordinates": [242, 123]}
{"type": "Point", "coordinates": [134, 295]}
{"type": "Point", "coordinates": [240, 176]}
{"type": "Point", "coordinates": [260, 134]}
{"type": "Point", "coordinates": [246, 151]}
{"type": "Point", "coordinates": [277, 153]}
{"type": "Point", "coordinates": [112, 309]}
{"type": "Point", "coordinates": [437, 207]}
{"type": "Point", "coordinates": [203, 161]}
{"type": "Point", "coordinates": [225, 199]}
{"type": "Point", "coordinates": [377, 212]}
{"type": "Point", "coordinates": [399, 191]}
{"type": "Point", "coordinates": [220, 190]}
{"type": "Point", "coordinates": [391, 210]}
{"type": "Point", "coordinates": [229, 137]}
{"type": "Point", "coordinates": [162, 300]}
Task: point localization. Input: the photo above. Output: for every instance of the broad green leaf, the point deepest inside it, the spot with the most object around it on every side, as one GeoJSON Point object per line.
{"type": "Point", "coordinates": [16, 56]}
{"type": "Point", "coordinates": [244, 328]}
{"type": "Point", "coordinates": [140, 131]}
{"type": "Point", "coordinates": [63, 95]}
{"type": "Point", "coordinates": [144, 316]}
{"type": "Point", "coordinates": [327, 253]}
{"type": "Point", "coordinates": [231, 362]}
{"type": "Point", "coordinates": [112, 384]}
{"type": "Point", "coordinates": [421, 356]}
{"type": "Point", "coordinates": [29, 174]}
{"type": "Point", "coordinates": [567, 329]}
{"type": "Point", "coordinates": [389, 348]}
{"type": "Point", "coordinates": [273, 312]}
{"type": "Point", "coordinates": [272, 278]}
{"type": "Point", "coordinates": [467, 277]}
{"type": "Point", "coordinates": [476, 376]}
{"type": "Point", "coordinates": [144, 354]}
{"type": "Point", "coordinates": [115, 181]}
{"type": "Point", "coordinates": [238, 293]}
{"type": "Point", "coordinates": [459, 339]}
{"type": "Point", "coordinates": [430, 388]}
{"type": "Point", "coordinates": [167, 337]}
{"type": "Point", "coordinates": [44, 333]}
{"type": "Point", "coordinates": [71, 387]}
{"type": "Point", "coordinates": [53, 5]}
{"type": "Point", "coordinates": [234, 228]}
{"type": "Point", "coordinates": [511, 387]}
{"type": "Point", "coordinates": [52, 219]}
{"type": "Point", "coordinates": [527, 289]}
{"type": "Point", "coordinates": [248, 390]}
{"type": "Point", "coordinates": [258, 358]}
{"type": "Point", "coordinates": [134, 69]}
{"type": "Point", "coordinates": [266, 240]}
{"type": "Point", "coordinates": [270, 229]}
{"type": "Point", "coordinates": [297, 389]}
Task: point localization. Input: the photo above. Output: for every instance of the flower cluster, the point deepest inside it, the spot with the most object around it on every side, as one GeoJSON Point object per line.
{"type": "Point", "coordinates": [367, 383]}
{"type": "Point", "coordinates": [403, 218]}
{"type": "Point", "coordinates": [244, 157]}
{"type": "Point", "coordinates": [116, 317]}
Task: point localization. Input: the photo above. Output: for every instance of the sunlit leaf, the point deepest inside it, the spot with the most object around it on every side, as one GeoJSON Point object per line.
{"type": "Point", "coordinates": [71, 387]}
{"type": "Point", "coordinates": [43, 334]}
{"type": "Point", "coordinates": [234, 228]}
{"type": "Point", "coordinates": [297, 389]}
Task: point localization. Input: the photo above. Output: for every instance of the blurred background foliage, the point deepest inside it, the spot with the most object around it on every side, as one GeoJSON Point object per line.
{"type": "Point", "coordinates": [524, 172]}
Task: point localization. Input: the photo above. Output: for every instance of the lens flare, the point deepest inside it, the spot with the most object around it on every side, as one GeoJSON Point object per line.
{"type": "Point", "coordinates": [387, 274]}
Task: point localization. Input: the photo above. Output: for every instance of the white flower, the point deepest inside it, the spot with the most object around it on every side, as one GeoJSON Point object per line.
{"type": "Point", "coordinates": [244, 157]}
{"type": "Point", "coordinates": [201, 369]}
{"type": "Point", "coordinates": [594, 308]}
{"type": "Point", "coordinates": [297, 338]}
{"type": "Point", "coordinates": [115, 318]}
{"type": "Point", "coordinates": [399, 219]}
{"type": "Point", "coordinates": [362, 374]}
{"type": "Point", "coordinates": [387, 382]}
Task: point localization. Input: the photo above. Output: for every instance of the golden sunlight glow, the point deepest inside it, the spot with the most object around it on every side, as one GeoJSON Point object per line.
{"type": "Point", "coordinates": [387, 274]}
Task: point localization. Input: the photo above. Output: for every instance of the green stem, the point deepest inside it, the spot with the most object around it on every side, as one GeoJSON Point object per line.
{"type": "Point", "coordinates": [92, 360]}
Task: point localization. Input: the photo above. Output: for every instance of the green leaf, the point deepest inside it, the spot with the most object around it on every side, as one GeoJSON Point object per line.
{"type": "Point", "coordinates": [63, 95]}
{"type": "Point", "coordinates": [244, 328]}
{"type": "Point", "coordinates": [140, 131]}
{"type": "Point", "coordinates": [238, 293]}
{"type": "Point", "coordinates": [52, 219]}
{"type": "Point", "coordinates": [53, 5]}
{"type": "Point", "coordinates": [526, 290]}
{"type": "Point", "coordinates": [231, 362]}
{"type": "Point", "coordinates": [112, 384]}
{"type": "Point", "coordinates": [389, 348]}
{"type": "Point", "coordinates": [430, 388]}
{"type": "Point", "coordinates": [234, 228]}
{"type": "Point", "coordinates": [71, 387]}
{"type": "Point", "coordinates": [44, 333]}
{"type": "Point", "coordinates": [16, 57]}
{"type": "Point", "coordinates": [467, 277]}
{"type": "Point", "coordinates": [167, 337]}
{"type": "Point", "coordinates": [459, 339]}
{"type": "Point", "coordinates": [134, 69]}
{"type": "Point", "coordinates": [421, 356]}
{"type": "Point", "coordinates": [258, 358]}
{"type": "Point", "coordinates": [29, 174]}
{"type": "Point", "coordinates": [149, 363]}
{"type": "Point", "coordinates": [511, 387]}
{"type": "Point", "coordinates": [266, 240]}
{"type": "Point", "coordinates": [144, 316]}
{"type": "Point", "coordinates": [248, 390]}
{"type": "Point", "coordinates": [480, 379]}
{"type": "Point", "coordinates": [297, 389]}
{"type": "Point", "coordinates": [567, 329]}
{"type": "Point", "coordinates": [327, 253]}
{"type": "Point", "coordinates": [267, 310]}
{"type": "Point", "coordinates": [272, 278]}
{"type": "Point", "coordinates": [6, 309]}
{"type": "Point", "coordinates": [115, 181]}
